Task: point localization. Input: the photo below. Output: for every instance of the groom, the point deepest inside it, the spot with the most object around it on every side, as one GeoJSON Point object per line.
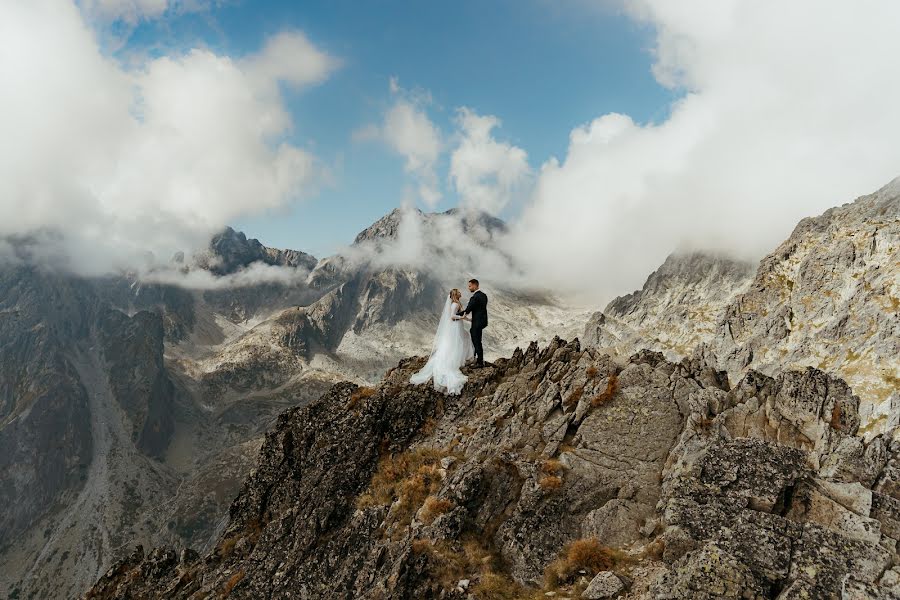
{"type": "Point", "coordinates": [478, 308]}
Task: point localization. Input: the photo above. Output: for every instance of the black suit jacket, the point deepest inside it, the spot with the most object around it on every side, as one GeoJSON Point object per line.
{"type": "Point", "coordinates": [478, 308]}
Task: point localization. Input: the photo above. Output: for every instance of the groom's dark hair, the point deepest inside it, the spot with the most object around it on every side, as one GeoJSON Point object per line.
{"type": "Point", "coordinates": [475, 281]}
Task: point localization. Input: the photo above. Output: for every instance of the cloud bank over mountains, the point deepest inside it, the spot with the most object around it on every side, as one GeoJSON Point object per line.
{"type": "Point", "coordinates": [788, 109]}
{"type": "Point", "coordinates": [784, 110]}
{"type": "Point", "coordinates": [134, 163]}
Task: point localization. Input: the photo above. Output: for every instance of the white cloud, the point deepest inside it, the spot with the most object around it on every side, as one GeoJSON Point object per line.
{"type": "Point", "coordinates": [133, 11]}
{"type": "Point", "coordinates": [789, 109]}
{"type": "Point", "coordinates": [486, 173]}
{"type": "Point", "coordinates": [153, 158]}
{"type": "Point", "coordinates": [200, 279]}
{"type": "Point", "coordinates": [408, 131]}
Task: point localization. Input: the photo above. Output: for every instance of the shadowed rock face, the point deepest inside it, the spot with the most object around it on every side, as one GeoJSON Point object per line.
{"type": "Point", "coordinates": [702, 490]}
{"type": "Point", "coordinates": [233, 251]}
{"type": "Point", "coordinates": [66, 357]}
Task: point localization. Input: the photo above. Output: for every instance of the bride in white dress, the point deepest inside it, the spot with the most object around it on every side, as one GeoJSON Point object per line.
{"type": "Point", "coordinates": [451, 349]}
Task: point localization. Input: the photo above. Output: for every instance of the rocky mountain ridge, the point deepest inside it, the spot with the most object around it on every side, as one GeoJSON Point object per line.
{"type": "Point", "coordinates": [828, 297]}
{"type": "Point", "coordinates": [131, 411]}
{"type": "Point", "coordinates": [557, 470]}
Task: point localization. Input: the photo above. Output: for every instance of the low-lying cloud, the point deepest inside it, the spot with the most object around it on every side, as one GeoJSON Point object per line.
{"type": "Point", "coordinates": [789, 108]}
{"type": "Point", "coordinates": [131, 164]}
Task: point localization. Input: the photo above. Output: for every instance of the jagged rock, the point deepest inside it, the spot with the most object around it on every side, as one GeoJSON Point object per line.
{"type": "Point", "coordinates": [677, 309]}
{"type": "Point", "coordinates": [355, 495]}
{"type": "Point", "coordinates": [230, 251]}
{"type": "Point", "coordinates": [604, 585]}
{"type": "Point", "coordinates": [828, 296]}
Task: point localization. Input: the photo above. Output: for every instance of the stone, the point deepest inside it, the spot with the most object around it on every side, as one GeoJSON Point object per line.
{"type": "Point", "coordinates": [604, 585]}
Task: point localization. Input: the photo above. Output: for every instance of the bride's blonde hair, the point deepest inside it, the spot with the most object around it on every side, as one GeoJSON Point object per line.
{"type": "Point", "coordinates": [454, 294]}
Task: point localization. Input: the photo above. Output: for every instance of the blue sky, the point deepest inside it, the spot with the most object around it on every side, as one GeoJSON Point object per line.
{"type": "Point", "coordinates": [541, 67]}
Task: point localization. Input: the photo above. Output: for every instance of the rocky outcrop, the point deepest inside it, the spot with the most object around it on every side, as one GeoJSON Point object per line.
{"type": "Point", "coordinates": [558, 469]}
{"type": "Point", "coordinates": [828, 297]}
{"type": "Point", "coordinates": [677, 309]}
{"type": "Point", "coordinates": [231, 251]}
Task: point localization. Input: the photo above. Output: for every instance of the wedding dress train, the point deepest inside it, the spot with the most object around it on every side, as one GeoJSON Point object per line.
{"type": "Point", "coordinates": [451, 349]}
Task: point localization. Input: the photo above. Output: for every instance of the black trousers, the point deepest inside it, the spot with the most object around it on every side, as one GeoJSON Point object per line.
{"type": "Point", "coordinates": [476, 342]}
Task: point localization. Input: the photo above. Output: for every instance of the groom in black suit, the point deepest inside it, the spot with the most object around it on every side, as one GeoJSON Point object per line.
{"type": "Point", "coordinates": [477, 307]}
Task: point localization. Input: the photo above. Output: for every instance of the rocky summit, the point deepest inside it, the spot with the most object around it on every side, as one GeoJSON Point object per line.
{"type": "Point", "coordinates": [558, 472]}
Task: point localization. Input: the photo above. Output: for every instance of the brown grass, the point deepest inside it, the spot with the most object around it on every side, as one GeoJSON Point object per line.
{"type": "Point", "coordinates": [574, 397]}
{"type": "Point", "coordinates": [232, 582]}
{"type": "Point", "coordinates": [654, 550]}
{"type": "Point", "coordinates": [612, 388]}
{"type": "Point", "coordinates": [552, 467]}
{"type": "Point", "coordinates": [409, 477]}
{"type": "Point", "coordinates": [586, 554]}
{"type": "Point", "coordinates": [227, 546]}
{"type": "Point", "coordinates": [836, 416]}
{"type": "Point", "coordinates": [591, 372]}
{"type": "Point", "coordinates": [550, 482]}
{"type": "Point", "coordinates": [471, 560]}
{"type": "Point", "coordinates": [552, 471]}
{"type": "Point", "coordinates": [361, 393]}
{"type": "Point", "coordinates": [429, 426]}
{"type": "Point", "coordinates": [435, 507]}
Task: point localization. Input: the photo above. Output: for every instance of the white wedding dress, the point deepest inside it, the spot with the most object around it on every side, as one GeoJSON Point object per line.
{"type": "Point", "coordinates": [451, 349]}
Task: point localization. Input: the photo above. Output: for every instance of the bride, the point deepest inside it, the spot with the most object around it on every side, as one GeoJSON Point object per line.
{"type": "Point", "coordinates": [451, 349]}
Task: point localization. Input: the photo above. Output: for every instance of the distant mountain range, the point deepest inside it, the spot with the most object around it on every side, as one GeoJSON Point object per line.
{"type": "Point", "coordinates": [132, 412]}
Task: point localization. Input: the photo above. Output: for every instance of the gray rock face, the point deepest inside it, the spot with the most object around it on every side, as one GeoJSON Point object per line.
{"type": "Point", "coordinates": [676, 310]}
{"type": "Point", "coordinates": [231, 251]}
{"type": "Point", "coordinates": [104, 441]}
{"type": "Point", "coordinates": [557, 461]}
{"type": "Point", "coordinates": [604, 585]}
{"type": "Point", "coordinates": [828, 297]}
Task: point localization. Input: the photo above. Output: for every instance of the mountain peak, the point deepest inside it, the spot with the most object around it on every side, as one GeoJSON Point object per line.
{"type": "Point", "coordinates": [478, 224]}
{"type": "Point", "coordinates": [232, 250]}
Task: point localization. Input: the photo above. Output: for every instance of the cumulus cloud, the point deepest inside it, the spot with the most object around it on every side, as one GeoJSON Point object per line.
{"type": "Point", "coordinates": [787, 109]}
{"type": "Point", "coordinates": [485, 173]}
{"type": "Point", "coordinates": [408, 131]}
{"type": "Point", "coordinates": [127, 165]}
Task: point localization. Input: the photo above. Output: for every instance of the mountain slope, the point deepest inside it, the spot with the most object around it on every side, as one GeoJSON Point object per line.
{"type": "Point", "coordinates": [132, 411]}
{"type": "Point", "coordinates": [552, 467]}
{"type": "Point", "coordinates": [677, 309]}
{"type": "Point", "coordinates": [828, 297]}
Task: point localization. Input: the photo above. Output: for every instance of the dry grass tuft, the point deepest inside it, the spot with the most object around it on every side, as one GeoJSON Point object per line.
{"type": "Point", "coordinates": [429, 426]}
{"type": "Point", "coordinates": [574, 397]}
{"type": "Point", "coordinates": [435, 507]}
{"type": "Point", "coordinates": [836, 416]}
{"type": "Point", "coordinates": [550, 482]}
{"type": "Point", "coordinates": [409, 478]}
{"type": "Point", "coordinates": [473, 560]}
{"type": "Point", "coordinates": [586, 554]}
{"type": "Point", "coordinates": [552, 471]}
{"type": "Point", "coordinates": [654, 550]}
{"type": "Point", "coordinates": [591, 372]}
{"type": "Point", "coordinates": [232, 582]}
{"type": "Point", "coordinates": [612, 388]}
{"type": "Point", "coordinates": [227, 546]}
{"type": "Point", "coordinates": [361, 393]}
